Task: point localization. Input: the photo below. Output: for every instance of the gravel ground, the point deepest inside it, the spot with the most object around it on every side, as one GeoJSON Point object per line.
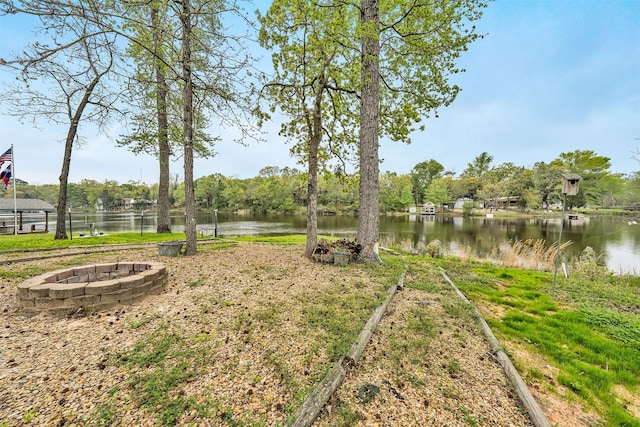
{"type": "Point", "coordinates": [239, 337]}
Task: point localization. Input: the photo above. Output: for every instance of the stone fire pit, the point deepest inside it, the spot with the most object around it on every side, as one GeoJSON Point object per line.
{"type": "Point", "coordinates": [91, 287]}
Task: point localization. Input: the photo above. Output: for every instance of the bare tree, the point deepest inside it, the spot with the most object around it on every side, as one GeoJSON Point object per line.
{"type": "Point", "coordinates": [154, 88]}
{"type": "Point", "coordinates": [212, 77]}
{"type": "Point", "coordinates": [210, 55]}
{"type": "Point", "coordinates": [64, 82]}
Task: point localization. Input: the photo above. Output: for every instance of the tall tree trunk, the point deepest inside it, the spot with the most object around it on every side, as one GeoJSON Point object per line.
{"type": "Point", "coordinates": [368, 217]}
{"type": "Point", "coordinates": [61, 229]}
{"type": "Point", "coordinates": [312, 190]}
{"type": "Point", "coordinates": [312, 200]}
{"type": "Point", "coordinates": [164, 151]}
{"type": "Point", "coordinates": [187, 120]}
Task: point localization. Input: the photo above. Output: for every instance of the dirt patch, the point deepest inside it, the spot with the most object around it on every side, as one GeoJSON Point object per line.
{"type": "Point", "coordinates": [430, 368]}
{"type": "Point", "coordinates": [246, 333]}
{"type": "Point", "coordinates": [629, 400]}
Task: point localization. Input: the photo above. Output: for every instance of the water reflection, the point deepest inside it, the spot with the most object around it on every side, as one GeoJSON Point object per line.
{"type": "Point", "coordinates": [614, 239]}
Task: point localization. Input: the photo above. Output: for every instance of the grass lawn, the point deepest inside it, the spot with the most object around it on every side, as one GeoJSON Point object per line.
{"type": "Point", "coordinates": [23, 242]}
{"type": "Point", "coordinates": [590, 333]}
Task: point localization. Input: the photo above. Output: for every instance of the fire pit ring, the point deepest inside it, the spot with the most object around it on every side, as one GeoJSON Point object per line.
{"type": "Point", "coordinates": [91, 287]}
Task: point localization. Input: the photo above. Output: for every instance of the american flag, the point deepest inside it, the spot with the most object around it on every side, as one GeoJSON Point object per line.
{"type": "Point", "coordinates": [6, 157]}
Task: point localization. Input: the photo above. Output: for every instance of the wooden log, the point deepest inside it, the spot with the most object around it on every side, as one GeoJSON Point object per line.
{"type": "Point", "coordinates": [313, 404]}
{"type": "Point", "coordinates": [354, 354]}
{"type": "Point", "coordinates": [536, 414]}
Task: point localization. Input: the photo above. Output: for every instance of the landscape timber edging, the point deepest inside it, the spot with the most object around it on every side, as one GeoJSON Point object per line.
{"type": "Point", "coordinates": [91, 287]}
{"type": "Point", "coordinates": [536, 414]}
{"type": "Point", "coordinates": [316, 400]}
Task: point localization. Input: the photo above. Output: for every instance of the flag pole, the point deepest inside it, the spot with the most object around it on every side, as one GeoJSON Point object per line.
{"type": "Point", "coordinates": [15, 203]}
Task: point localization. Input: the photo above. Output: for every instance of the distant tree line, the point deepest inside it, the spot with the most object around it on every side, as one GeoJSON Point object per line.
{"type": "Point", "coordinates": [285, 190]}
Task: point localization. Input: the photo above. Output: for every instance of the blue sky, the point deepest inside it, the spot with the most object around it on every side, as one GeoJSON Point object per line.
{"type": "Point", "coordinates": [549, 77]}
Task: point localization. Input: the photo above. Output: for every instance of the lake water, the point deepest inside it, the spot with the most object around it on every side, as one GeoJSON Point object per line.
{"type": "Point", "coordinates": [615, 240]}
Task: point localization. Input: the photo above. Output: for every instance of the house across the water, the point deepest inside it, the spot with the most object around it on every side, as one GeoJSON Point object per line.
{"type": "Point", "coordinates": [428, 209]}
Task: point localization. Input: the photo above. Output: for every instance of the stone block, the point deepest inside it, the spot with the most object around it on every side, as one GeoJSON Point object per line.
{"type": "Point", "coordinates": [140, 266]}
{"type": "Point", "coordinates": [23, 288]}
{"type": "Point", "coordinates": [49, 277]}
{"type": "Point", "coordinates": [82, 301]}
{"type": "Point", "coordinates": [117, 274]}
{"type": "Point", "coordinates": [105, 268]}
{"type": "Point", "coordinates": [144, 288]}
{"type": "Point", "coordinates": [128, 266]}
{"type": "Point", "coordinates": [116, 296]}
{"type": "Point", "coordinates": [84, 270]}
{"type": "Point", "coordinates": [106, 286]}
{"type": "Point", "coordinates": [157, 266]}
{"type": "Point", "coordinates": [60, 275]}
{"type": "Point", "coordinates": [39, 291]}
{"type": "Point", "coordinates": [133, 299]}
{"type": "Point", "coordinates": [149, 275]}
{"type": "Point", "coordinates": [103, 275]}
{"type": "Point", "coordinates": [26, 302]}
{"type": "Point", "coordinates": [48, 303]}
{"type": "Point", "coordinates": [131, 281]}
{"type": "Point", "coordinates": [66, 290]}
{"type": "Point", "coordinates": [160, 281]}
{"type": "Point", "coordinates": [83, 278]}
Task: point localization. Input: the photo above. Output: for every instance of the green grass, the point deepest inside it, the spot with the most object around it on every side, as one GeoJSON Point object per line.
{"type": "Point", "coordinates": [338, 319]}
{"type": "Point", "coordinates": [591, 332]}
{"type": "Point", "coordinates": [159, 364]}
{"type": "Point", "coordinates": [288, 239]}
{"type": "Point", "coordinates": [46, 241]}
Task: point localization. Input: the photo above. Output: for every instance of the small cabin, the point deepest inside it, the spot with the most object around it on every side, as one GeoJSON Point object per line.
{"type": "Point", "coordinates": [428, 209]}
{"type": "Point", "coordinates": [128, 203]}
